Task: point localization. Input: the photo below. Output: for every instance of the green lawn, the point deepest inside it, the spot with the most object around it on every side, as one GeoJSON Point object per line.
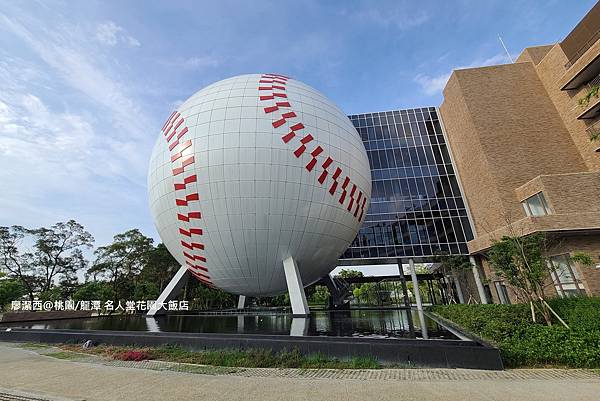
{"type": "Point", "coordinates": [251, 358]}
{"type": "Point", "coordinates": [524, 343]}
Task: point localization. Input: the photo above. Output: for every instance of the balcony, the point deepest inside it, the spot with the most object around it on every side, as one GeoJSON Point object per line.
{"type": "Point", "coordinates": [582, 48]}
{"type": "Point", "coordinates": [592, 109]}
{"type": "Point", "coordinates": [584, 69]}
{"type": "Point", "coordinates": [594, 133]}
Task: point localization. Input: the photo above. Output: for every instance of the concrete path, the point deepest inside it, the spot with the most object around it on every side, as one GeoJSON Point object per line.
{"type": "Point", "coordinates": [26, 373]}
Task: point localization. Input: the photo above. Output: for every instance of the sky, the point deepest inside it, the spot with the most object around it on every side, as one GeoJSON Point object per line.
{"type": "Point", "coordinates": [85, 86]}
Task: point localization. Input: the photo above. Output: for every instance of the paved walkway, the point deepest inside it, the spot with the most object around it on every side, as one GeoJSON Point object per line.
{"type": "Point", "coordinates": [30, 374]}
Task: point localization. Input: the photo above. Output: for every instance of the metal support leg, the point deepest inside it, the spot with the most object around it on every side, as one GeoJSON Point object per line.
{"type": "Point", "coordinates": [295, 288]}
{"type": "Point", "coordinates": [241, 302]}
{"type": "Point", "coordinates": [413, 275]}
{"type": "Point", "coordinates": [480, 289]}
{"type": "Point", "coordinates": [299, 327]}
{"type": "Point", "coordinates": [170, 292]}
{"type": "Point", "coordinates": [403, 282]}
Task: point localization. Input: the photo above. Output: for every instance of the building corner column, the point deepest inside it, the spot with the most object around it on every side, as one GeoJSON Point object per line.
{"type": "Point", "coordinates": [413, 275]}
{"type": "Point", "coordinates": [478, 282]}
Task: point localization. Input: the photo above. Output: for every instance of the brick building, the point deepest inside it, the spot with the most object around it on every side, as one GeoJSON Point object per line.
{"type": "Point", "coordinates": [522, 140]}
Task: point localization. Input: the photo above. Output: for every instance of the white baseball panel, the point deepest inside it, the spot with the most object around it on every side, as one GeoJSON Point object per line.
{"type": "Point", "coordinates": [254, 169]}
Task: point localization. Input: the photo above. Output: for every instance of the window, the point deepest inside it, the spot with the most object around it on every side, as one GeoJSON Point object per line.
{"type": "Point", "coordinates": [567, 280]}
{"type": "Point", "coordinates": [502, 292]}
{"type": "Point", "coordinates": [536, 205]}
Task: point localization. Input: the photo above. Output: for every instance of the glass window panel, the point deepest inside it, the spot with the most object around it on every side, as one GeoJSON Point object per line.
{"type": "Point", "coordinates": [415, 196]}
{"type": "Point", "coordinates": [383, 159]}
{"type": "Point", "coordinates": [375, 158]}
{"type": "Point", "coordinates": [536, 205]}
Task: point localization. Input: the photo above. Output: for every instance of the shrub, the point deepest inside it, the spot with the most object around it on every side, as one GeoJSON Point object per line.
{"type": "Point", "coordinates": [524, 343]}
{"type": "Point", "coordinates": [132, 355]}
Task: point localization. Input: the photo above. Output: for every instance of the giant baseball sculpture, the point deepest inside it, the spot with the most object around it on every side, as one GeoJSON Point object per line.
{"type": "Point", "coordinates": [257, 184]}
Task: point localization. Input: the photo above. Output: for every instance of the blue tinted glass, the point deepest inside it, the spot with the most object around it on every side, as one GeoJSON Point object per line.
{"type": "Point", "coordinates": [416, 207]}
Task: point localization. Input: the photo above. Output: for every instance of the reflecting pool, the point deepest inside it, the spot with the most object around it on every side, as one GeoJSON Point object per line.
{"type": "Point", "coordinates": [391, 323]}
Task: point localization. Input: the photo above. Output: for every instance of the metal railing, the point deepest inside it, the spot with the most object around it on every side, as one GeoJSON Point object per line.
{"type": "Point", "coordinates": [590, 42]}
{"type": "Point", "coordinates": [595, 81]}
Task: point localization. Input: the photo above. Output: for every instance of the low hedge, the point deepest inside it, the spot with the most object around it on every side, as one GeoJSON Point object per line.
{"type": "Point", "coordinates": [524, 343]}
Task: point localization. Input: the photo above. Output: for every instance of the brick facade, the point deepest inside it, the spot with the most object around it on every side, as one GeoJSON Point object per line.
{"type": "Point", "coordinates": [518, 129]}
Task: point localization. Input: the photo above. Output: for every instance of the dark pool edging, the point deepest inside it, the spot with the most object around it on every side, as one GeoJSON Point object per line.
{"type": "Point", "coordinates": [424, 353]}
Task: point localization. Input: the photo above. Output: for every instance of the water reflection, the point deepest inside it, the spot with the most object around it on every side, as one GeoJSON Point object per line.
{"type": "Point", "coordinates": [391, 323]}
{"type": "Point", "coordinates": [299, 326]}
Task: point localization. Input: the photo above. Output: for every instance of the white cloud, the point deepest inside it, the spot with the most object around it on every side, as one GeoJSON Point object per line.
{"type": "Point", "coordinates": [402, 15]}
{"type": "Point", "coordinates": [433, 85]}
{"type": "Point", "coordinates": [74, 142]}
{"type": "Point", "coordinates": [78, 64]}
{"type": "Point", "coordinates": [110, 34]}
{"type": "Point", "coordinates": [194, 63]}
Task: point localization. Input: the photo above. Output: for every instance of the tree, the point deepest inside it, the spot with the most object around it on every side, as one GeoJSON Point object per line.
{"type": "Point", "coordinates": [58, 252]}
{"type": "Point", "coordinates": [521, 262]}
{"type": "Point", "coordinates": [11, 290]}
{"type": "Point", "coordinates": [349, 273]}
{"type": "Point", "coordinates": [122, 261]}
{"type": "Point", "coordinates": [203, 297]}
{"type": "Point", "coordinates": [161, 267]}
{"type": "Point", "coordinates": [453, 266]}
{"type": "Point", "coordinates": [145, 291]}
{"type": "Point", "coordinates": [17, 263]}
{"type": "Point", "coordinates": [95, 290]}
{"type": "Point", "coordinates": [366, 293]}
{"type": "Point", "coordinates": [320, 295]}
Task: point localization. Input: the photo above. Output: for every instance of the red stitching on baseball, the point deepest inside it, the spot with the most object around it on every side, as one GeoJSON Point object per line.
{"type": "Point", "coordinates": [284, 118]}
{"type": "Point", "coordinates": [360, 194]}
{"type": "Point", "coordinates": [168, 121]}
{"type": "Point", "coordinates": [190, 232]}
{"type": "Point", "coordinates": [325, 165]}
{"type": "Point", "coordinates": [362, 208]}
{"type": "Point", "coordinates": [190, 215]}
{"type": "Point", "coordinates": [334, 185]}
{"type": "Point", "coordinates": [186, 180]}
{"type": "Point", "coordinates": [349, 208]}
{"type": "Point", "coordinates": [307, 138]}
{"type": "Point", "coordinates": [195, 266]}
{"type": "Point", "coordinates": [271, 81]}
{"type": "Point", "coordinates": [282, 80]}
{"type": "Point", "coordinates": [188, 198]}
{"type": "Point", "coordinates": [269, 88]}
{"type": "Point", "coordinates": [271, 109]}
{"type": "Point", "coordinates": [172, 119]}
{"type": "Point", "coordinates": [288, 137]}
{"type": "Point", "coordinates": [183, 147]}
{"type": "Point", "coordinates": [186, 217]}
{"type": "Point", "coordinates": [184, 164]}
{"type": "Point", "coordinates": [182, 133]}
{"type": "Point", "coordinates": [267, 75]}
{"type": "Point", "coordinates": [344, 185]}
{"type": "Point", "coordinates": [314, 154]}
{"type": "Point", "coordinates": [194, 257]}
{"type": "Point", "coordinates": [193, 245]}
{"type": "Point", "coordinates": [201, 279]}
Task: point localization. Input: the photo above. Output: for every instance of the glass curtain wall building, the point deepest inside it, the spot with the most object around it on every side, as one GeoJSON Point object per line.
{"type": "Point", "coordinates": [416, 205]}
